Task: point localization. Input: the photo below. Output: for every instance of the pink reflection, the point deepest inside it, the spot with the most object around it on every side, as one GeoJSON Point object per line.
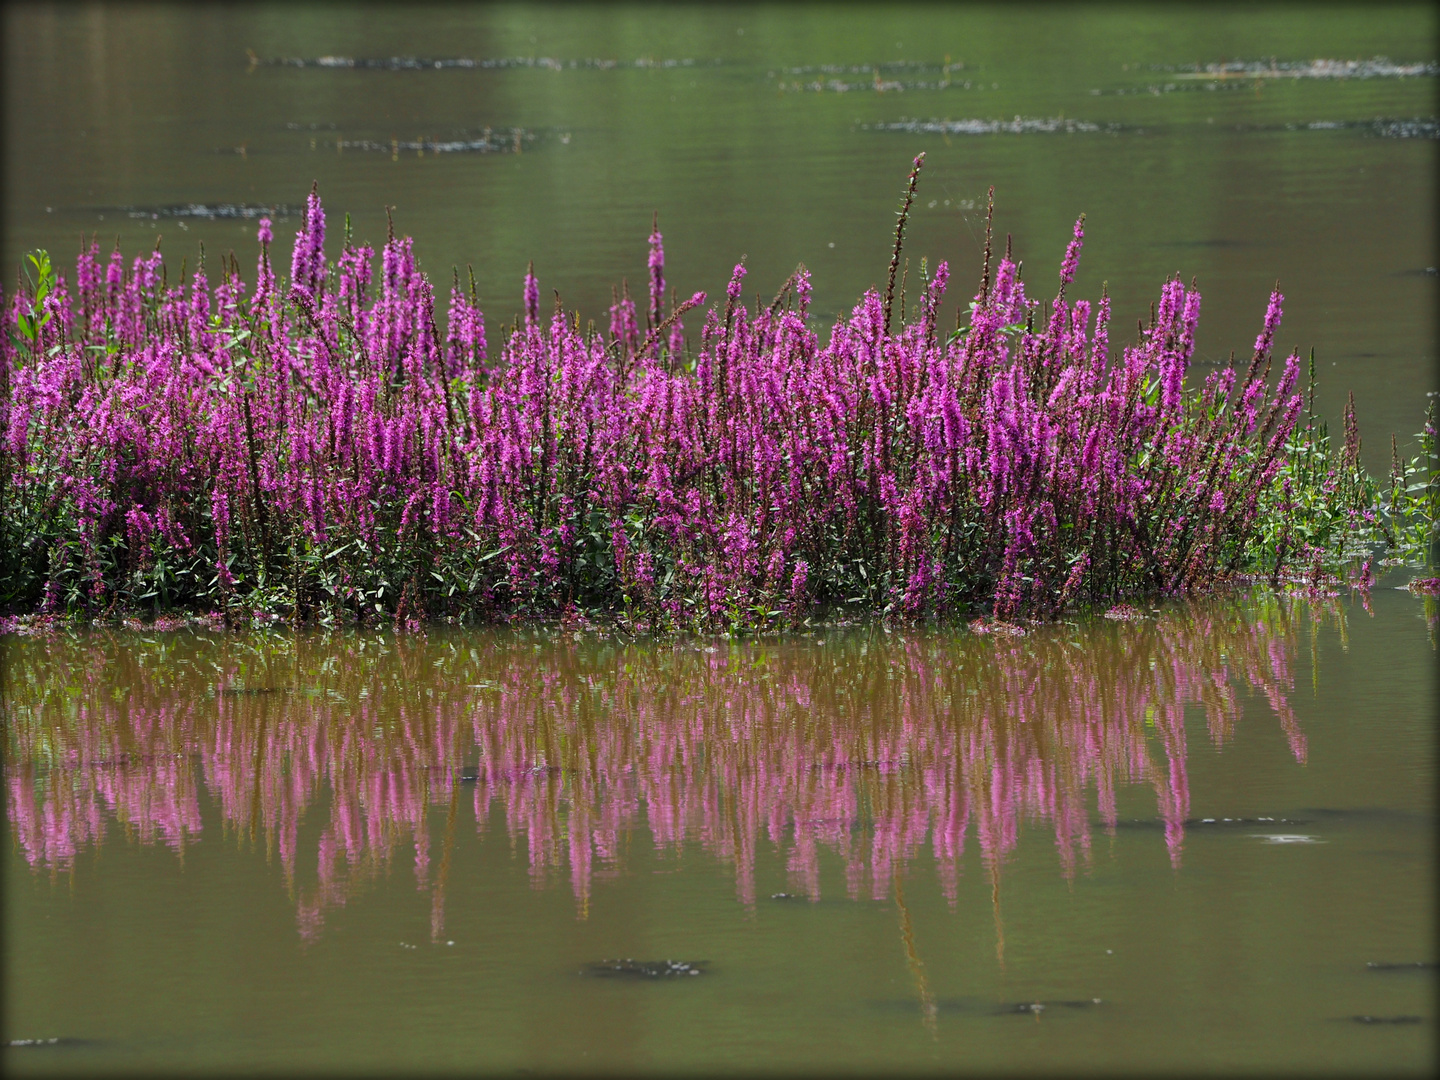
{"type": "Point", "coordinates": [872, 747]}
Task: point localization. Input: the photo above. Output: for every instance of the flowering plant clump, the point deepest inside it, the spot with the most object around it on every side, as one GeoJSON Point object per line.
{"type": "Point", "coordinates": [319, 448]}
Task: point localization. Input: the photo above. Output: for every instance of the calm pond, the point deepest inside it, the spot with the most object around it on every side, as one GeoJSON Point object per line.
{"type": "Point", "coordinates": [1204, 839]}
{"type": "Point", "coordinates": [1199, 839]}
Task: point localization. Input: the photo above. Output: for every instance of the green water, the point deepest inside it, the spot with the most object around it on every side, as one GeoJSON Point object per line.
{"type": "Point", "coordinates": [880, 850]}
{"type": "Point", "coordinates": [254, 852]}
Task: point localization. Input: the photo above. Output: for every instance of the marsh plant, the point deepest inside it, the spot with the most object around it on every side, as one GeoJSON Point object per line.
{"type": "Point", "coordinates": [317, 448]}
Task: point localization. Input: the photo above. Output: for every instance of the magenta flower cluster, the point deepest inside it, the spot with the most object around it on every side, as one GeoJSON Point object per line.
{"type": "Point", "coordinates": [321, 446]}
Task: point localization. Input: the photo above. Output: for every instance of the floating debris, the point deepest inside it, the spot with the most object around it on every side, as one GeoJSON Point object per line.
{"type": "Point", "coordinates": [789, 81]}
{"type": "Point", "coordinates": [1020, 125]}
{"type": "Point", "coordinates": [644, 969]}
{"type": "Point", "coordinates": [1156, 89]}
{"type": "Point", "coordinates": [1378, 67]}
{"type": "Point", "coordinates": [877, 84]}
{"type": "Point", "coordinates": [1383, 128]}
{"type": "Point", "coordinates": [1204, 823]}
{"type": "Point", "coordinates": [1408, 965]}
{"type": "Point", "coordinates": [971, 1006]}
{"type": "Point", "coordinates": [487, 141]}
{"type": "Point", "coordinates": [984, 625]}
{"type": "Point", "coordinates": [1240, 74]}
{"type": "Point", "coordinates": [1035, 1008]}
{"type": "Point", "coordinates": [1286, 838]}
{"type": "Point", "coordinates": [440, 63]}
{"type": "Point", "coordinates": [1325, 817]}
{"type": "Point", "coordinates": [1387, 1019]}
{"type": "Point", "coordinates": [214, 211]}
{"type": "Point", "coordinates": [865, 69]}
{"type": "Point", "coordinates": [1125, 613]}
{"type": "Point", "coordinates": [58, 1042]}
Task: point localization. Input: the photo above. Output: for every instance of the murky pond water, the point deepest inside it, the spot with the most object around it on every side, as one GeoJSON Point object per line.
{"type": "Point", "coordinates": [1200, 839]}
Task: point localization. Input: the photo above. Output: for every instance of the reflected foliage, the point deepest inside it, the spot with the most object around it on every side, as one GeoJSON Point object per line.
{"type": "Point", "coordinates": [340, 752]}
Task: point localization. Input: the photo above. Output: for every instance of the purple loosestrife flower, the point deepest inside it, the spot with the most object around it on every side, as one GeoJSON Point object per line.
{"type": "Point", "coordinates": [803, 289]}
{"type": "Point", "coordinates": [1170, 299]}
{"type": "Point", "coordinates": [354, 271]}
{"type": "Point", "coordinates": [623, 327]}
{"type": "Point", "coordinates": [657, 274]}
{"type": "Point", "coordinates": [934, 294]}
{"type": "Point", "coordinates": [1272, 320]}
{"type": "Point", "coordinates": [464, 337]}
{"type": "Point", "coordinates": [676, 340]}
{"type": "Point", "coordinates": [1173, 363]}
{"type": "Point", "coordinates": [732, 290]}
{"type": "Point", "coordinates": [57, 306]}
{"type": "Point", "coordinates": [114, 276]}
{"type": "Point", "coordinates": [532, 297]}
{"type": "Point", "coordinates": [264, 276]}
{"type": "Point", "coordinates": [1189, 319]}
{"type": "Point", "coordinates": [87, 283]}
{"type": "Point", "coordinates": [307, 261]}
{"type": "Point", "coordinates": [1074, 578]}
{"type": "Point", "coordinates": [1250, 402]}
{"type": "Point", "coordinates": [1072, 253]}
{"type": "Point", "coordinates": [199, 307]}
{"type": "Point", "coordinates": [1289, 377]}
{"type": "Point", "coordinates": [644, 570]}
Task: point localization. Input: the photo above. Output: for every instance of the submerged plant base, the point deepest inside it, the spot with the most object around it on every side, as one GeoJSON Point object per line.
{"type": "Point", "coordinates": [319, 451]}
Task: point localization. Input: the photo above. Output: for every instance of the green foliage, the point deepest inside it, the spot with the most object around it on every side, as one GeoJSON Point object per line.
{"type": "Point", "coordinates": [1413, 508]}
{"type": "Point", "coordinates": [30, 322]}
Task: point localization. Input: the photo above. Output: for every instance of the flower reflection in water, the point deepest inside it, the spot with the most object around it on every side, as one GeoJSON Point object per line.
{"type": "Point", "coordinates": [865, 743]}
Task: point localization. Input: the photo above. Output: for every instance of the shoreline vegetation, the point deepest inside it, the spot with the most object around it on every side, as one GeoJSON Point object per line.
{"type": "Point", "coordinates": [317, 451]}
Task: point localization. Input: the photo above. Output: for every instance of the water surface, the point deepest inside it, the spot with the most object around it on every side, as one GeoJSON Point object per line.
{"type": "Point", "coordinates": [1192, 840]}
